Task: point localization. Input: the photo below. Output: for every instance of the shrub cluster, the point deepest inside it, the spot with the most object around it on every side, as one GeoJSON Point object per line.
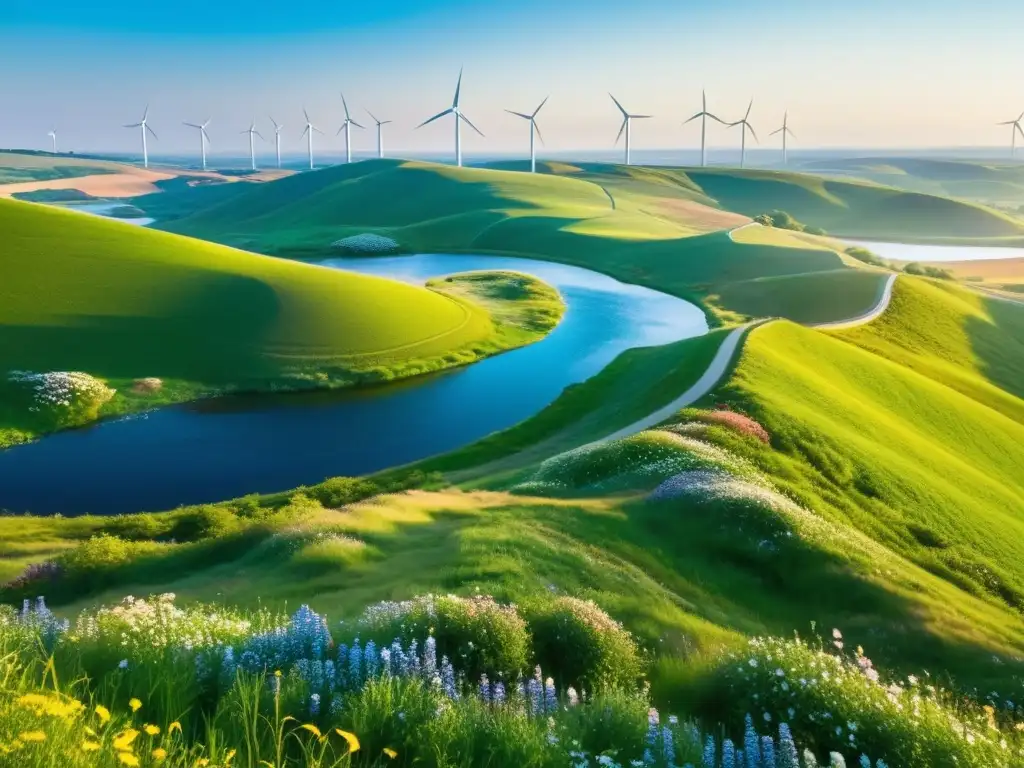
{"type": "Point", "coordinates": [783, 220]}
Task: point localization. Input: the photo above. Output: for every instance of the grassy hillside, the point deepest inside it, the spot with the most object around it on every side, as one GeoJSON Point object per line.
{"type": "Point", "coordinates": [80, 293]}
{"type": "Point", "coordinates": [649, 227]}
{"type": "Point", "coordinates": [17, 167]}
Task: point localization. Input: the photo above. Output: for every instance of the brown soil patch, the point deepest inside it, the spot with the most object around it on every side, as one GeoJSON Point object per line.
{"type": "Point", "coordinates": [700, 216]}
{"type": "Point", "coordinates": [990, 270]}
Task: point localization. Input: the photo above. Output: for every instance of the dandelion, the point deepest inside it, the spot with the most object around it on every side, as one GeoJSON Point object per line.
{"type": "Point", "coordinates": [151, 730]}
{"type": "Point", "coordinates": [159, 754]}
{"type": "Point", "coordinates": [175, 726]}
{"type": "Point", "coordinates": [124, 739]}
{"type": "Point", "coordinates": [90, 746]}
{"type": "Point", "coordinates": [391, 754]}
{"type": "Point", "coordinates": [32, 736]}
{"type": "Point", "coordinates": [135, 704]}
{"type": "Point", "coordinates": [127, 758]}
{"type": "Point", "coordinates": [103, 714]}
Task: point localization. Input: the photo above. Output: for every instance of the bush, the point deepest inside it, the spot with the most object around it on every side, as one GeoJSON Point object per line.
{"type": "Point", "coordinates": [863, 254]}
{"type": "Point", "coordinates": [583, 646]}
{"type": "Point", "coordinates": [926, 270]}
{"type": "Point", "coordinates": [205, 522]}
{"type": "Point", "coordinates": [815, 231]}
{"type": "Point", "coordinates": [339, 491]}
{"type": "Point", "coordinates": [478, 634]}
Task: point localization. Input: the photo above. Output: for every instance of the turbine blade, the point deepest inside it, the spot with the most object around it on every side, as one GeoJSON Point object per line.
{"type": "Point", "coordinates": [385, 122]}
{"type": "Point", "coordinates": [318, 131]}
{"type": "Point", "coordinates": [357, 125]}
{"type": "Point", "coordinates": [750, 106]}
{"type": "Point", "coordinates": [304, 132]}
{"type": "Point", "coordinates": [304, 112]}
{"type": "Point", "coordinates": [133, 125]}
{"type": "Point", "coordinates": [753, 132]}
{"type": "Point", "coordinates": [462, 116]}
{"type": "Point", "coordinates": [621, 129]}
{"type": "Point", "coordinates": [205, 134]}
{"type": "Point", "coordinates": [341, 129]}
{"type": "Point", "coordinates": [539, 134]}
{"type": "Point", "coordinates": [1008, 122]}
{"type": "Point", "coordinates": [716, 117]}
{"type": "Point", "coordinates": [1019, 129]}
{"type": "Point", "coordinates": [458, 88]}
{"type": "Point", "coordinates": [276, 126]}
{"type": "Point", "coordinates": [699, 114]}
{"type": "Point", "coordinates": [435, 117]}
{"type": "Point", "coordinates": [190, 125]}
{"type": "Point", "coordinates": [641, 117]}
{"type": "Point", "coordinates": [344, 104]}
{"type": "Point", "coordinates": [538, 109]}
{"type": "Point", "coordinates": [775, 132]}
{"type": "Point", "coordinates": [151, 131]}
{"type": "Point", "coordinates": [623, 111]}
{"type": "Point", "coordinates": [259, 134]}
{"type": "Point", "coordinates": [145, 113]}
{"type": "Point", "coordinates": [372, 117]}
{"type": "Point", "coordinates": [519, 114]}
{"type": "Point", "coordinates": [790, 133]}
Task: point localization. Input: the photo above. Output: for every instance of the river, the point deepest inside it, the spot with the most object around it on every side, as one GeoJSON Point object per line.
{"type": "Point", "coordinates": [226, 447]}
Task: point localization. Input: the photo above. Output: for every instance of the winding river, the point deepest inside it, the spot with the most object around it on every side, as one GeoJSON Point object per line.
{"type": "Point", "coordinates": [226, 447]}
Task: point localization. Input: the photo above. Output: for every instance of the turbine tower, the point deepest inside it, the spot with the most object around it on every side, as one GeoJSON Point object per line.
{"type": "Point", "coordinates": [53, 135]}
{"type": "Point", "coordinates": [309, 133]}
{"type": "Point", "coordinates": [784, 130]}
{"type": "Point", "coordinates": [704, 115]}
{"type": "Point", "coordinates": [1014, 130]}
{"type": "Point", "coordinates": [626, 119]}
{"type": "Point", "coordinates": [144, 126]}
{"type": "Point", "coordinates": [347, 128]}
{"type": "Point", "coordinates": [251, 130]}
{"type": "Point", "coordinates": [203, 138]}
{"type": "Point", "coordinates": [380, 133]}
{"type": "Point", "coordinates": [745, 124]}
{"type": "Point", "coordinates": [534, 129]}
{"type": "Point", "coordinates": [459, 117]}
{"type": "Point", "coordinates": [277, 140]}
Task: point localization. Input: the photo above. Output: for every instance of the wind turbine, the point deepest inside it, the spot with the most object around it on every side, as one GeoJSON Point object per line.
{"type": "Point", "coordinates": [144, 126]}
{"type": "Point", "coordinates": [309, 133]}
{"type": "Point", "coordinates": [203, 137]}
{"type": "Point", "coordinates": [53, 135]}
{"type": "Point", "coordinates": [347, 128]}
{"type": "Point", "coordinates": [704, 115]}
{"type": "Point", "coordinates": [380, 133]}
{"type": "Point", "coordinates": [784, 130]}
{"type": "Point", "coordinates": [251, 130]}
{"type": "Point", "coordinates": [745, 123]}
{"type": "Point", "coordinates": [1014, 130]}
{"type": "Point", "coordinates": [454, 110]}
{"type": "Point", "coordinates": [534, 129]}
{"type": "Point", "coordinates": [626, 118]}
{"type": "Point", "coordinates": [277, 140]}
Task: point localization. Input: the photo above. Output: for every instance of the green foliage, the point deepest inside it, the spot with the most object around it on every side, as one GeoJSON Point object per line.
{"type": "Point", "coordinates": [868, 257]}
{"type": "Point", "coordinates": [927, 270]}
{"type": "Point", "coordinates": [583, 645]}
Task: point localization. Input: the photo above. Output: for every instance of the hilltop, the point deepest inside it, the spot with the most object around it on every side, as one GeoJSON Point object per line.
{"type": "Point", "coordinates": [124, 303]}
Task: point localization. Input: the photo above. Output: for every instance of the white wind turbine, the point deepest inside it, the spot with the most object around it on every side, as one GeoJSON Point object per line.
{"type": "Point", "coordinates": [704, 115]}
{"type": "Point", "coordinates": [347, 128]}
{"type": "Point", "coordinates": [745, 124]}
{"type": "Point", "coordinates": [309, 133]}
{"type": "Point", "coordinates": [251, 130]}
{"type": "Point", "coordinates": [534, 129]}
{"type": "Point", "coordinates": [459, 117]}
{"type": "Point", "coordinates": [784, 130]}
{"type": "Point", "coordinates": [380, 133]}
{"type": "Point", "coordinates": [277, 140]}
{"type": "Point", "coordinates": [1014, 130]}
{"type": "Point", "coordinates": [203, 138]}
{"type": "Point", "coordinates": [144, 126]}
{"type": "Point", "coordinates": [53, 135]}
{"type": "Point", "coordinates": [626, 120]}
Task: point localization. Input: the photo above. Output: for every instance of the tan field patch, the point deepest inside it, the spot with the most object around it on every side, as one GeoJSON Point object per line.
{"type": "Point", "coordinates": [988, 270]}
{"type": "Point", "coordinates": [113, 185]}
{"type": "Point", "coordinates": [698, 216]}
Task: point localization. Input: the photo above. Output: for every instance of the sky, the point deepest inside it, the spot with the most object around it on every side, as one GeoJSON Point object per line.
{"type": "Point", "coordinates": [865, 74]}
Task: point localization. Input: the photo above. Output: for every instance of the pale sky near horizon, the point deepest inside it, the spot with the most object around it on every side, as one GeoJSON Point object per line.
{"type": "Point", "coordinates": [930, 73]}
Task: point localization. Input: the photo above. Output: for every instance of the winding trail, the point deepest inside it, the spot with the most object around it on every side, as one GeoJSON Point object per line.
{"type": "Point", "coordinates": [727, 355]}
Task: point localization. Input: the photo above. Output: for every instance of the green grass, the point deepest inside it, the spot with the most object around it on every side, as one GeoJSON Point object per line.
{"type": "Point", "coordinates": [123, 302]}
{"type": "Point", "coordinates": [17, 167]}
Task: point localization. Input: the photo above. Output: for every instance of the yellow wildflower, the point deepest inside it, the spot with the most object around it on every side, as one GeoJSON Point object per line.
{"type": "Point", "coordinates": [103, 714]}
{"type": "Point", "coordinates": [90, 746]}
{"type": "Point", "coordinates": [312, 729]}
{"type": "Point", "coordinates": [159, 754]}
{"type": "Point", "coordinates": [124, 739]}
{"type": "Point", "coordinates": [175, 726]}
{"type": "Point", "coordinates": [390, 752]}
{"type": "Point", "coordinates": [89, 730]}
{"type": "Point", "coordinates": [30, 736]}
{"type": "Point", "coordinates": [135, 704]}
{"type": "Point", "coordinates": [201, 762]}
{"type": "Point", "coordinates": [351, 738]}
{"type": "Point", "coordinates": [127, 758]}
{"type": "Point", "coordinates": [151, 730]}
{"type": "Point", "coordinates": [229, 757]}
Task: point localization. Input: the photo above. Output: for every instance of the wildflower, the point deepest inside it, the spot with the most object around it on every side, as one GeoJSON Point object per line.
{"type": "Point", "coordinates": [550, 698]}
{"type": "Point", "coordinates": [787, 754]}
{"type": "Point", "coordinates": [390, 753]}
{"type": "Point", "coordinates": [32, 736]}
{"type": "Point", "coordinates": [350, 738]}
{"type": "Point", "coordinates": [768, 750]}
{"type": "Point", "coordinates": [751, 744]}
{"type": "Point", "coordinates": [708, 757]}
{"type": "Point", "coordinates": [728, 754]}
{"type": "Point", "coordinates": [122, 664]}
{"type": "Point", "coordinates": [836, 760]}
{"type": "Point", "coordinates": [124, 739]}
{"type": "Point", "coordinates": [135, 705]}
{"type": "Point", "coordinates": [767, 717]}
{"type": "Point", "coordinates": [312, 729]}
{"type": "Point", "coordinates": [159, 754]}
{"type": "Point", "coordinates": [314, 704]}
{"type": "Point", "coordinates": [175, 726]}
{"type": "Point", "coordinates": [230, 756]}
{"type": "Point", "coordinates": [127, 758]}
{"type": "Point", "coordinates": [809, 759]}
{"type": "Point", "coordinates": [90, 746]}
{"type": "Point", "coordinates": [103, 714]}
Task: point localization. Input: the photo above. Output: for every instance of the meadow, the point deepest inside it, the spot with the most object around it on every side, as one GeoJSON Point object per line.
{"type": "Point", "coordinates": [153, 318]}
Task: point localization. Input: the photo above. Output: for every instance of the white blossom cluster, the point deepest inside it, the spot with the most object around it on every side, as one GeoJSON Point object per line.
{"type": "Point", "coordinates": [366, 243]}
{"type": "Point", "coordinates": [62, 389]}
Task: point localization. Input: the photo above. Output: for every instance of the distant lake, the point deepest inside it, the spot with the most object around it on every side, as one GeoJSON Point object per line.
{"type": "Point", "coordinates": [104, 209]}
{"type": "Point", "coordinates": [926, 253]}
{"type": "Point", "coordinates": [226, 447]}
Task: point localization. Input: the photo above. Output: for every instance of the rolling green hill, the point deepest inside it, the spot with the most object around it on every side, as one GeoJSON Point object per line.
{"type": "Point", "coordinates": [17, 167]}
{"type": "Point", "coordinates": [80, 293]}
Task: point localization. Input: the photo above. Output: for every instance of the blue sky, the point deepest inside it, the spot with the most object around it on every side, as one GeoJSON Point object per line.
{"type": "Point", "coordinates": [859, 74]}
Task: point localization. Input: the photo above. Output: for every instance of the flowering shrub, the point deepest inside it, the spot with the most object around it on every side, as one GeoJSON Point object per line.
{"type": "Point", "coordinates": [69, 398]}
{"type": "Point", "coordinates": [367, 242]}
{"type": "Point", "coordinates": [587, 647]}
{"type": "Point", "coordinates": [737, 422]}
{"type": "Point", "coordinates": [479, 634]}
{"type": "Point", "coordinates": [643, 459]}
{"type": "Point", "coordinates": [838, 702]}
